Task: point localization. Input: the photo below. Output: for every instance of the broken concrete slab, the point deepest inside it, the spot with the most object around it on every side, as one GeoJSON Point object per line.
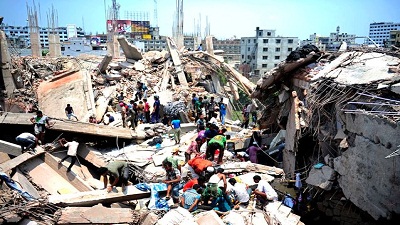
{"type": "Point", "coordinates": [177, 62]}
{"type": "Point", "coordinates": [209, 218]}
{"type": "Point", "coordinates": [104, 63]}
{"type": "Point", "coordinates": [322, 178]}
{"type": "Point", "coordinates": [69, 126]}
{"type": "Point", "coordinates": [10, 164]}
{"type": "Point", "coordinates": [130, 51]}
{"type": "Point", "coordinates": [10, 148]}
{"type": "Point", "coordinates": [90, 198]}
{"type": "Point", "coordinates": [25, 184]}
{"type": "Point", "coordinates": [97, 215]}
{"type": "Point", "coordinates": [275, 214]}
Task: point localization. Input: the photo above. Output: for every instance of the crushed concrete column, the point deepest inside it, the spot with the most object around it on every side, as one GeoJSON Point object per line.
{"type": "Point", "coordinates": [177, 62]}
{"type": "Point", "coordinates": [209, 44]}
{"type": "Point", "coordinates": [5, 71]}
{"type": "Point", "coordinates": [54, 45]}
{"type": "Point", "coordinates": [131, 51]}
{"type": "Point", "coordinates": [104, 63]}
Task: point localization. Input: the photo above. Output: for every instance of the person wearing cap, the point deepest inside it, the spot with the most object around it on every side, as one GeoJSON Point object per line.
{"type": "Point", "coordinates": [264, 191]}
{"type": "Point", "coordinates": [176, 125]}
{"type": "Point", "coordinates": [194, 147]}
{"type": "Point", "coordinates": [173, 159]}
{"type": "Point", "coordinates": [252, 152]}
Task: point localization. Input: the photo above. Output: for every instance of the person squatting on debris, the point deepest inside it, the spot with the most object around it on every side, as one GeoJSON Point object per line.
{"type": "Point", "coordinates": [72, 150]}
{"type": "Point", "coordinates": [118, 172]}
{"type": "Point", "coordinates": [40, 122]}
{"type": "Point", "coordinates": [27, 141]}
{"type": "Point", "coordinates": [110, 119]}
{"type": "Point", "coordinates": [241, 192]}
{"type": "Point", "coordinates": [176, 126]}
{"type": "Point", "coordinates": [264, 192]}
{"type": "Point", "coordinates": [173, 181]}
{"type": "Point", "coordinates": [69, 111]}
{"type": "Point", "coordinates": [217, 142]}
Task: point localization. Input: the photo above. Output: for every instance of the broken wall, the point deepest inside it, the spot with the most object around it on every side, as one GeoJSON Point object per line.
{"type": "Point", "coordinates": [366, 177]}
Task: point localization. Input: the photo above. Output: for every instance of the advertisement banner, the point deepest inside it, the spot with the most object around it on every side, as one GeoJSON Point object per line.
{"type": "Point", "coordinates": [127, 26]}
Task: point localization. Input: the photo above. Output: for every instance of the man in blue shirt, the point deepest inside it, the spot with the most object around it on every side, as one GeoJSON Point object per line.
{"type": "Point", "coordinates": [176, 125]}
{"type": "Point", "coordinates": [190, 198]}
{"type": "Point", "coordinates": [156, 110]}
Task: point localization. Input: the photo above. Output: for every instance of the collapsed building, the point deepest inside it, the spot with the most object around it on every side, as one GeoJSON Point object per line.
{"type": "Point", "coordinates": [339, 115]}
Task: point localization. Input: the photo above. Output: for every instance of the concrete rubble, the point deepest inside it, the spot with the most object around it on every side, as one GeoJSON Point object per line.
{"type": "Point", "coordinates": [341, 117]}
{"type": "Point", "coordinates": [336, 115]}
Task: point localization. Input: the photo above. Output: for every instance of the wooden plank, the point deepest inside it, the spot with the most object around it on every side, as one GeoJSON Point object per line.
{"type": "Point", "coordinates": [90, 198]}
{"type": "Point", "coordinates": [69, 126]}
{"type": "Point", "coordinates": [4, 157]}
{"type": "Point", "coordinates": [10, 164]}
{"type": "Point", "coordinates": [75, 180]}
{"type": "Point", "coordinates": [10, 148]}
{"type": "Point", "coordinates": [95, 215]}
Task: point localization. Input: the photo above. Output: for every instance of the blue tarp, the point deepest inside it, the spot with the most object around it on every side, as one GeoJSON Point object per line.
{"type": "Point", "coordinates": [155, 201]}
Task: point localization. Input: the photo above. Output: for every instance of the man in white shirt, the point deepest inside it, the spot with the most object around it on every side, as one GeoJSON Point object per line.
{"type": "Point", "coordinates": [240, 191]}
{"type": "Point", "coordinates": [72, 149]}
{"type": "Point", "coordinates": [264, 191]}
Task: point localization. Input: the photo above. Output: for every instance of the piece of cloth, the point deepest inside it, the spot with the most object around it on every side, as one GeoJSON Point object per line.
{"type": "Point", "coordinates": [190, 184]}
{"type": "Point", "coordinates": [252, 152]}
{"type": "Point", "coordinates": [72, 148]}
{"type": "Point", "coordinates": [265, 187]}
{"type": "Point", "coordinates": [190, 197]}
{"type": "Point", "coordinates": [241, 193]}
{"type": "Point", "coordinates": [199, 165]}
{"type": "Point", "coordinates": [13, 185]}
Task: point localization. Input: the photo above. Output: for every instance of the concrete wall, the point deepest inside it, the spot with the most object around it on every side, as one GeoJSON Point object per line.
{"type": "Point", "coordinates": [367, 179]}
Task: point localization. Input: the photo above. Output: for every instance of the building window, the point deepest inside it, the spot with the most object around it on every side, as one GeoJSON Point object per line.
{"type": "Point", "coordinates": [268, 33]}
{"type": "Point", "coordinates": [248, 49]}
{"type": "Point", "coordinates": [290, 41]}
{"type": "Point", "coordinates": [277, 57]}
{"type": "Point", "coordinates": [265, 57]}
{"type": "Point", "coordinates": [248, 41]}
{"type": "Point", "coordinates": [254, 57]}
{"type": "Point", "coordinates": [260, 33]}
{"type": "Point", "coordinates": [265, 49]}
{"type": "Point", "coordinates": [255, 40]}
{"type": "Point", "coordinates": [248, 57]}
{"type": "Point", "coordinates": [264, 65]}
{"type": "Point", "coordinates": [290, 49]}
{"type": "Point", "coordinates": [278, 41]}
{"type": "Point", "coordinates": [242, 56]}
{"type": "Point", "coordinates": [277, 49]}
{"type": "Point", "coordinates": [275, 65]}
{"type": "Point", "coordinates": [265, 40]}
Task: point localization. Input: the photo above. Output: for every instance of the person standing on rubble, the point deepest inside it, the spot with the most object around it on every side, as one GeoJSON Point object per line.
{"type": "Point", "coordinates": [200, 48]}
{"type": "Point", "coordinates": [124, 111]}
{"type": "Point", "coordinates": [146, 110]}
{"type": "Point", "coordinates": [140, 112]}
{"type": "Point", "coordinates": [27, 141]}
{"type": "Point", "coordinates": [176, 125]}
{"type": "Point", "coordinates": [194, 100]}
{"type": "Point", "coordinates": [132, 116]}
{"type": "Point", "coordinates": [222, 111]}
{"type": "Point", "coordinates": [69, 112]}
{"type": "Point", "coordinates": [118, 172]}
{"type": "Point", "coordinates": [211, 108]}
{"type": "Point", "coordinates": [156, 110]}
{"type": "Point", "coordinates": [40, 122]}
{"type": "Point", "coordinates": [72, 150]}
{"type": "Point", "coordinates": [198, 105]}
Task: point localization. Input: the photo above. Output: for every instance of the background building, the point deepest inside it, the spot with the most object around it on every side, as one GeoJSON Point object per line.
{"type": "Point", "coordinates": [380, 32]}
{"type": "Point", "coordinates": [264, 51]}
{"type": "Point", "coordinates": [231, 48]}
{"type": "Point", "coordinates": [331, 43]}
{"type": "Point", "coordinates": [395, 38]}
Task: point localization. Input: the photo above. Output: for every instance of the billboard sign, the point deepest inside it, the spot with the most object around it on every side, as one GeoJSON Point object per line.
{"type": "Point", "coordinates": [128, 26]}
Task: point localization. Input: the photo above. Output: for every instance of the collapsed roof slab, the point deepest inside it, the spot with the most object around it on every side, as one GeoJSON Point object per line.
{"type": "Point", "coordinates": [130, 51]}
{"type": "Point", "coordinates": [10, 164]}
{"type": "Point", "coordinates": [10, 148]}
{"type": "Point", "coordinates": [90, 198]}
{"type": "Point", "coordinates": [96, 215]}
{"type": "Point", "coordinates": [70, 126]}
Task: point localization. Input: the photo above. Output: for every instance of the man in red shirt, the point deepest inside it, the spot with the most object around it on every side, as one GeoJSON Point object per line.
{"type": "Point", "coordinates": [200, 181]}
{"type": "Point", "coordinates": [146, 110]}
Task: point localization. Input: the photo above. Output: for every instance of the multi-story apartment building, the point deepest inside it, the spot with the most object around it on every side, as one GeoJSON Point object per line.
{"type": "Point", "coordinates": [380, 32]}
{"type": "Point", "coordinates": [264, 51]}
{"type": "Point", "coordinates": [395, 38]}
{"type": "Point", "coordinates": [231, 48]}
{"type": "Point", "coordinates": [19, 35]}
{"type": "Point", "coordinates": [331, 43]}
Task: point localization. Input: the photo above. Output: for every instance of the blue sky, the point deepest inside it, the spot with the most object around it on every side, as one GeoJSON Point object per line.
{"type": "Point", "coordinates": [228, 18]}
